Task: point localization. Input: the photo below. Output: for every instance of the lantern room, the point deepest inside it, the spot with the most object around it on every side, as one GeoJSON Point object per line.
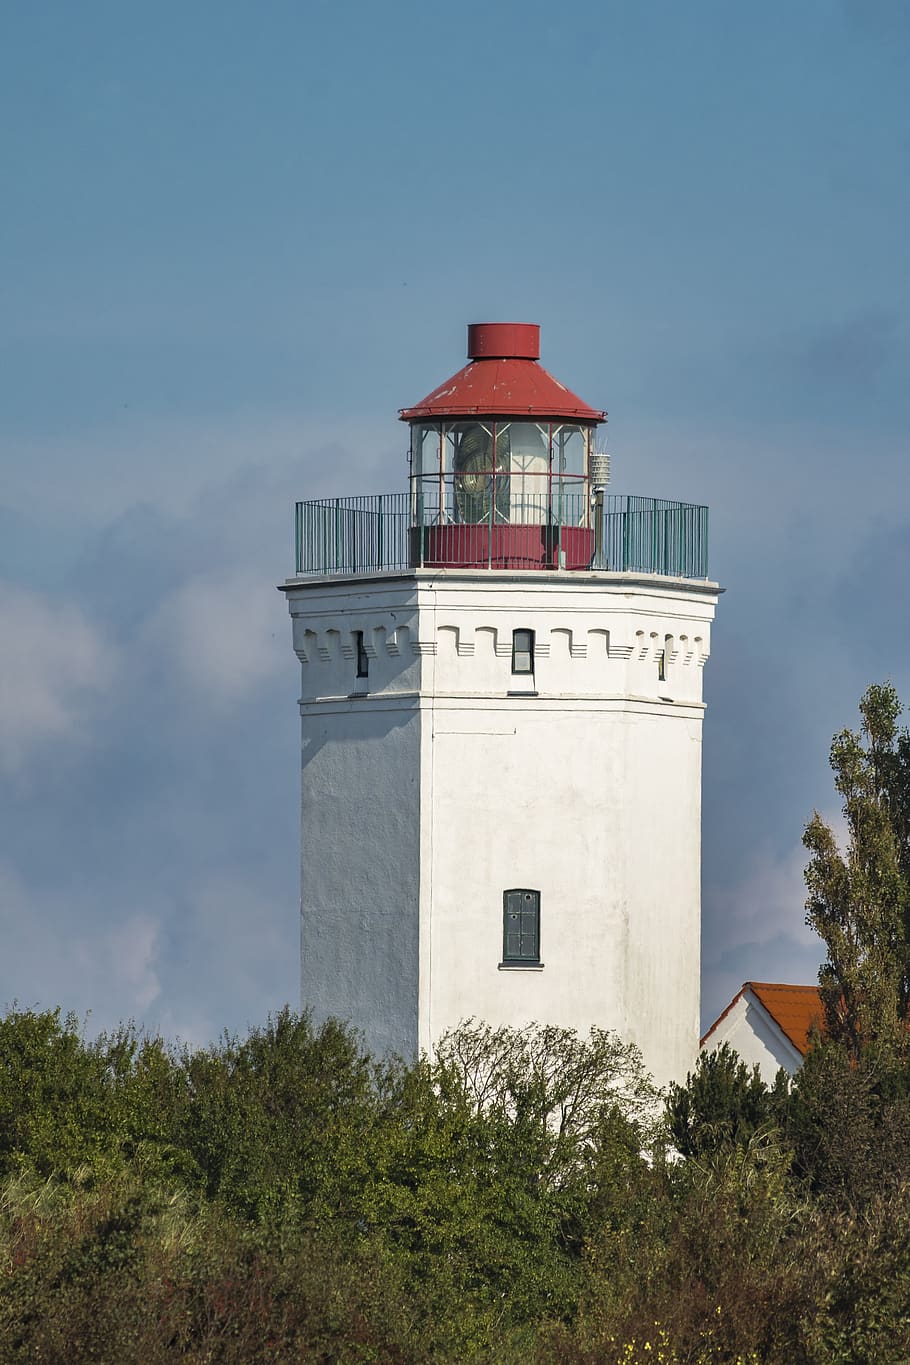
{"type": "Point", "coordinates": [503, 467]}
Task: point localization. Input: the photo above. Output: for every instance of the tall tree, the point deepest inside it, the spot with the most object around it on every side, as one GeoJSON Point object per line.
{"type": "Point", "coordinates": [859, 898]}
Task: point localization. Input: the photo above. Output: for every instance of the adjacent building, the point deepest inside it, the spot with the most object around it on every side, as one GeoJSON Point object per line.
{"type": "Point", "coordinates": [769, 1025]}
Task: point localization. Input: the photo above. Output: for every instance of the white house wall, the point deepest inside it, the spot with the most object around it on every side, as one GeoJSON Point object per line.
{"type": "Point", "coordinates": [749, 1030]}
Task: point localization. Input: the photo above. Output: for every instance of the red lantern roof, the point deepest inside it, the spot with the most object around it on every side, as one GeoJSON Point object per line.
{"type": "Point", "coordinates": [503, 379]}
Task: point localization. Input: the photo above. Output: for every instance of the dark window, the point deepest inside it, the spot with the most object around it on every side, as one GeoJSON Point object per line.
{"type": "Point", "coordinates": [662, 666]}
{"type": "Point", "coordinates": [363, 659]}
{"type": "Point", "coordinates": [521, 925]}
{"type": "Point", "coordinates": [522, 651]}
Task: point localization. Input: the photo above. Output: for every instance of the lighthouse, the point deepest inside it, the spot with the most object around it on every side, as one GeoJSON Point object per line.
{"type": "Point", "coordinates": [501, 709]}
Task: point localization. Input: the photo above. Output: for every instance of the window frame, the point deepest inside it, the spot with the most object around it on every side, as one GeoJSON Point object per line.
{"type": "Point", "coordinates": [527, 958]}
{"type": "Point", "coordinates": [529, 651]}
{"type": "Point", "coordinates": [363, 659]}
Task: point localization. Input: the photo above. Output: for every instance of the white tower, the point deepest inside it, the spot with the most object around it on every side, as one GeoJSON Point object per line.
{"type": "Point", "coordinates": [502, 710]}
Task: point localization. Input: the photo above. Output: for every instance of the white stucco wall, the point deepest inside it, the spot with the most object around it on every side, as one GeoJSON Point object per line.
{"type": "Point", "coordinates": [750, 1031]}
{"type": "Point", "coordinates": [360, 812]}
{"type": "Point", "coordinates": [438, 790]}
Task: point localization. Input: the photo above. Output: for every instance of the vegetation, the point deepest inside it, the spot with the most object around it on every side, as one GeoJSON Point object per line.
{"type": "Point", "coordinates": [859, 901]}
{"type": "Point", "coordinates": [523, 1196]}
{"type": "Point", "coordinates": [283, 1197]}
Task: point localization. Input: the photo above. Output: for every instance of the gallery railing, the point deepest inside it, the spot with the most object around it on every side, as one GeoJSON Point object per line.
{"type": "Point", "coordinates": [397, 531]}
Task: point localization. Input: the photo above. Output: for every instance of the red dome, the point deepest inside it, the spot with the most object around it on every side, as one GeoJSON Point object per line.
{"type": "Point", "coordinates": [503, 379]}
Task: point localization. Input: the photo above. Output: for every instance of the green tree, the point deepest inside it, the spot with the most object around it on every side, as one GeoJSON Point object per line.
{"type": "Point", "coordinates": [721, 1103]}
{"type": "Point", "coordinates": [67, 1102]}
{"type": "Point", "coordinates": [859, 898]}
{"type": "Point", "coordinates": [278, 1123]}
{"type": "Point", "coordinates": [54, 1094]}
{"type": "Point", "coordinates": [495, 1160]}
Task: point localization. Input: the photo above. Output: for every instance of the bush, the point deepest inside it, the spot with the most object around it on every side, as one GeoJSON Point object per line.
{"type": "Point", "coordinates": [282, 1197]}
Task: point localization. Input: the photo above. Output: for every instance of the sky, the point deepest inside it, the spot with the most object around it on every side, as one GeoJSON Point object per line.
{"type": "Point", "coordinates": [236, 238]}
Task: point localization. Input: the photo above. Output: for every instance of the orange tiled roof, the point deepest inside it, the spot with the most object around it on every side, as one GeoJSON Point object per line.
{"type": "Point", "coordinates": [793, 1008]}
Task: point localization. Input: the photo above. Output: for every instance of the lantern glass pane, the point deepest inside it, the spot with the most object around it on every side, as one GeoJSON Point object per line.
{"type": "Point", "coordinates": [480, 478]}
{"type": "Point", "coordinates": [425, 439]}
{"type": "Point", "coordinates": [569, 456]}
{"type": "Point", "coordinates": [530, 468]}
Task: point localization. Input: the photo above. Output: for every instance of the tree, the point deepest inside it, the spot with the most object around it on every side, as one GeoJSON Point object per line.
{"type": "Point", "coordinates": [277, 1123]}
{"type": "Point", "coordinates": [54, 1094]}
{"type": "Point", "coordinates": [859, 899]}
{"type": "Point", "coordinates": [496, 1159]}
{"type": "Point", "coordinates": [722, 1103]}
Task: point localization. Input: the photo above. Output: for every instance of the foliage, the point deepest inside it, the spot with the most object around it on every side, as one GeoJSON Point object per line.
{"type": "Point", "coordinates": [719, 1272]}
{"type": "Point", "coordinates": [122, 1271]}
{"type": "Point", "coordinates": [277, 1124]}
{"type": "Point", "coordinates": [859, 899]}
{"type": "Point", "coordinates": [475, 1178]}
{"type": "Point", "coordinates": [848, 1122]}
{"type": "Point", "coordinates": [509, 1135]}
{"type": "Point", "coordinates": [867, 1301]}
{"type": "Point", "coordinates": [283, 1197]}
{"type": "Point", "coordinates": [722, 1102]}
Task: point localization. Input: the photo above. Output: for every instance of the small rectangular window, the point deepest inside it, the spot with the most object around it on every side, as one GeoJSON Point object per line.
{"type": "Point", "coordinates": [521, 925]}
{"type": "Point", "coordinates": [522, 651]}
{"type": "Point", "coordinates": [363, 659]}
{"type": "Point", "coordinates": [662, 665]}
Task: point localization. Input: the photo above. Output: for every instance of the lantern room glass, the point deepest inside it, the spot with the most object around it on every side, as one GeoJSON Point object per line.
{"type": "Point", "coordinates": [501, 470]}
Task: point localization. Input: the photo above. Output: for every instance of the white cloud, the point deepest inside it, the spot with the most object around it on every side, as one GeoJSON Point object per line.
{"type": "Point", "coordinates": [58, 951]}
{"type": "Point", "coordinates": [52, 658]}
{"type": "Point", "coordinates": [131, 950]}
{"type": "Point", "coordinates": [754, 929]}
{"type": "Point", "coordinates": [223, 634]}
{"type": "Point", "coordinates": [92, 476]}
{"type": "Point", "coordinates": [766, 901]}
{"type": "Point", "coordinates": [232, 942]}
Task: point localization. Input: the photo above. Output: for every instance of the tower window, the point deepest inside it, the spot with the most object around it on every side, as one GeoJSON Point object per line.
{"type": "Point", "coordinates": [520, 925]}
{"type": "Point", "coordinates": [662, 665]}
{"type": "Point", "coordinates": [363, 659]}
{"type": "Point", "coordinates": [522, 651]}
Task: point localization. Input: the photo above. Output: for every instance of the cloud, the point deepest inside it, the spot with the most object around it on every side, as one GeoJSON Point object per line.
{"type": "Point", "coordinates": [155, 875]}
{"type": "Point", "coordinates": [59, 949]}
{"type": "Point", "coordinates": [53, 659]}
{"type": "Point", "coordinates": [128, 953]}
{"type": "Point", "coordinates": [767, 900]}
{"type": "Point", "coordinates": [234, 939]}
{"type": "Point", "coordinates": [187, 467]}
{"type": "Point", "coordinates": [224, 634]}
{"type": "Point", "coordinates": [753, 925]}
{"type": "Point", "coordinates": [220, 952]}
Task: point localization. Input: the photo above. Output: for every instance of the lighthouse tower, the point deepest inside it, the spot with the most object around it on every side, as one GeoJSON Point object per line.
{"type": "Point", "coordinates": [501, 707]}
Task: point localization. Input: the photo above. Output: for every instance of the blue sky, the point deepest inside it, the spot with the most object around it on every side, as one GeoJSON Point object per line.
{"type": "Point", "coordinates": [236, 238]}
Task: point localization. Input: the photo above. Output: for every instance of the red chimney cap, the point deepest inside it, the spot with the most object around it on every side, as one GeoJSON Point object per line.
{"type": "Point", "coordinates": [503, 340]}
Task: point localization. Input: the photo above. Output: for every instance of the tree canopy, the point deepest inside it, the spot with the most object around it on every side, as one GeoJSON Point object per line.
{"type": "Point", "coordinates": [285, 1197]}
{"type": "Point", "coordinates": [859, 896]}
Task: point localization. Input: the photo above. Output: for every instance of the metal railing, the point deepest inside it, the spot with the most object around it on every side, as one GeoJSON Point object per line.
{"type": "Point", "coordinates": [397, 531]}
